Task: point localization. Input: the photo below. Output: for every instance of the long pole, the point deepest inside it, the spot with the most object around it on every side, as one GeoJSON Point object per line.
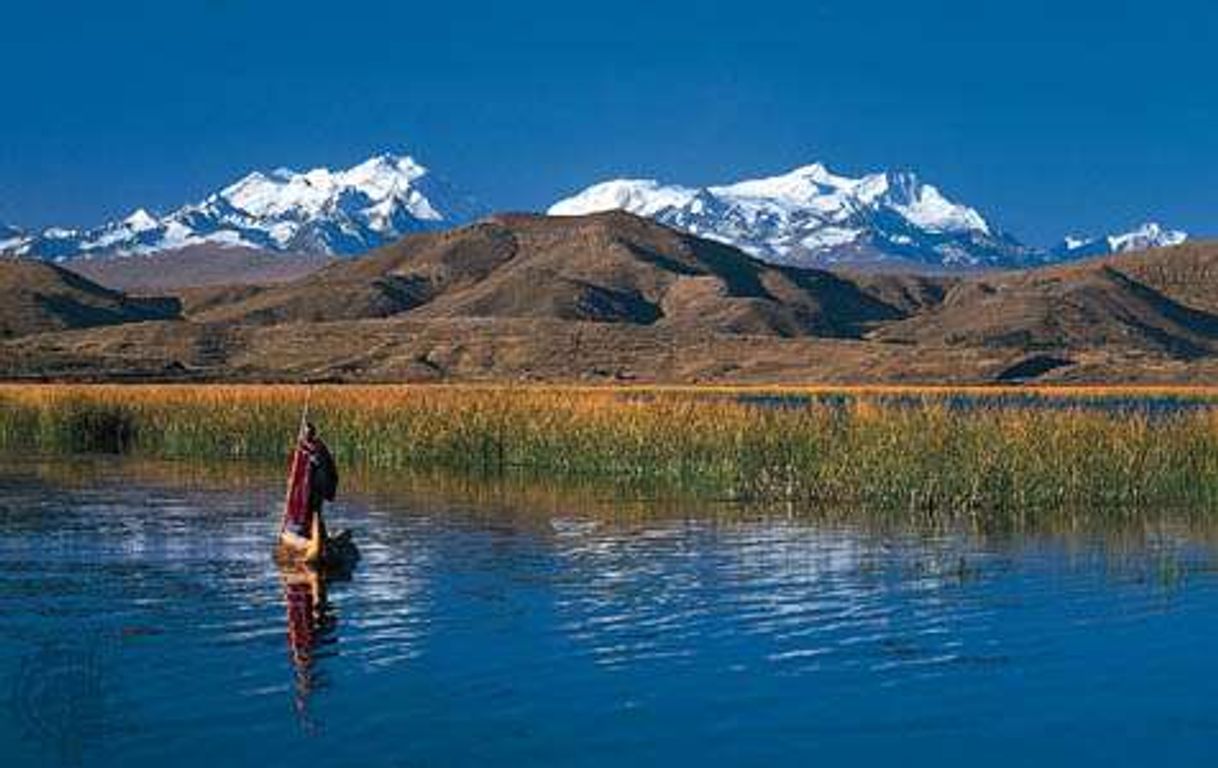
{"type": "Point", "coordinates": [304, 412]}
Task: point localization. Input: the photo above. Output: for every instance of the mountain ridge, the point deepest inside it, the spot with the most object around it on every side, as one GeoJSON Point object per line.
{"type": "Point", "coordinates": [611, 267]}
{"type": "Point", "coordinates": [42, 297]}
{"type": "Point", "coordinates": [318, 211]}
{"type": "Point", "coordinates": [811, 216]}
{"type": "Point", "coordinates": [1149, 235]}
{"type": "Point", "coordinates": [614, 296]}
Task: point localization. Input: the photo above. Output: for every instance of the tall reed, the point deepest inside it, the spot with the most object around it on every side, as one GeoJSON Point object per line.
{"type": "Point", "coordinates": [921, 452]}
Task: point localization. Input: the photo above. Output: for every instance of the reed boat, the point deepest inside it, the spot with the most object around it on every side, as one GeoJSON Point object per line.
{"type": "Point", "coordinates": [331, 554]}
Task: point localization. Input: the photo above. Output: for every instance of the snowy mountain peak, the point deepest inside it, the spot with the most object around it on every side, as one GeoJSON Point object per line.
{"type": "Point", "coordinates": [797, 183]}
{"type": "Point", "coordinates": [811, 215]}
{"type": "Point", "coordinates": [1148, 235]}
{"type": "Point", "coordinates": [10, 237]}
{"type": "Point", "coordinates": [340, 212]}
{"type": "Point", "coordinates": [385, 169]}
{"type": "Point", "coordinates": [794, 188]}
{"type": "Point", "coordinates": [645, 197]}
{"type": "Point", "coordinates": [140, 220]}
{"type": "Point", "coordinates": [286, 192]}
{"type": "Point", "coordinates": [807, 216]}
{"type": "Point", "coordinates": [926, 207]}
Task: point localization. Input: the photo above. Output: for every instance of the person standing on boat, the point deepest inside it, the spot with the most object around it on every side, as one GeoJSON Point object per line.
{"type": "Point", "coordinates": [323, 473]}
{"type": "Point", "coordinates": [312, 481]}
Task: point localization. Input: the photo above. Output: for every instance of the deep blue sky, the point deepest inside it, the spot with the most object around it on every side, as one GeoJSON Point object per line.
{"type": "Point", "coordinates": [1048, 115]}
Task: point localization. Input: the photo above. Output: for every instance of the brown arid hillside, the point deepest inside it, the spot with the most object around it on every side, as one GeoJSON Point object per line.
{"type": "Point", "coordinates": [1159, 303]}
{"type": "Point", "coordinates": [198, 265]}
{"type": "Point", "coordinates": [1186, 273]}
{"type": "Point", "coordinates": [605, 268]}
{"type": "Point", "coordinates": [40, 298]}
{"type": "Point", "coordinates": [615, 297]}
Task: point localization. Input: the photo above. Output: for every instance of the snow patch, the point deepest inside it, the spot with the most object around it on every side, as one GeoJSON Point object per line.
{"type": "Point", "coordinates": [338, 212]}
{"type": "Point", "coordinates": [812, 215]}
{"type": "Point", "coordinates": [1147, 236]}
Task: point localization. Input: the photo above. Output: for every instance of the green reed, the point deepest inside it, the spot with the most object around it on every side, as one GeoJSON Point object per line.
{"type": "Point", "coordinates": [918, 457]}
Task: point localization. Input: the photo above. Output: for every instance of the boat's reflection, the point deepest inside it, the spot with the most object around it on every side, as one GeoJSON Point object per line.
{"type": "Point", "coordinates": [312, 629]}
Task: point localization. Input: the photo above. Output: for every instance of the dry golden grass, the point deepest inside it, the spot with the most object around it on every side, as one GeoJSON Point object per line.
{"type": "Point", "coordinates": [931, 451]}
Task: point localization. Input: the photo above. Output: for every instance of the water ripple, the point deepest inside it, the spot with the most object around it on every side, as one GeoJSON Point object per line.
{"type": "Point", "coordinates": [143, 619]}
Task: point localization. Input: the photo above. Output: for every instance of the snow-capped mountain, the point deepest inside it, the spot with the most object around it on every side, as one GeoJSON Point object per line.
{"type": "Point", "coordinates": [1149, 235]}
{"type": "Point", "coordinates": [319, 211]}
{"type": "Point", "coordinates": [812, 216]}
{"type": "Point", "coordinates": [10, 237]}
{"type": "Point", "coordinates": [809, 216]}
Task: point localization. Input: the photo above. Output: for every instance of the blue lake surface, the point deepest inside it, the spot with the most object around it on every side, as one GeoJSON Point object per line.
{"type": "Point", "coordinates": [144, 623]}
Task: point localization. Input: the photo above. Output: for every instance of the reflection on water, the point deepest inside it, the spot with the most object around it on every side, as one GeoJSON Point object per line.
{"type": "Point", "coordinates": [144, 622]}
{"type": "Point", "coordinates": [312, 628]}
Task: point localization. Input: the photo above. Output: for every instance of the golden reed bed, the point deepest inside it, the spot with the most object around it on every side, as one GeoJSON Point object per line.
{"type": "Point", "coordinates": [931, 451]}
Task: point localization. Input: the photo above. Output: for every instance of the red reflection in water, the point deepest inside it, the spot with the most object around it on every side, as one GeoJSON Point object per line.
{"type": "Point", "coordinates": [312, 625]}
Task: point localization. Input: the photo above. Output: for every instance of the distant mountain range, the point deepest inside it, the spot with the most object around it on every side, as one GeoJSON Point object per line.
{"type": "Point", "coordinates": [807, 217]}
{"type": "Point", "coordinates": [814, 217]}
{"type": "Point", "coordinates": [1147, 236]}
{"type": "Point", "coordinates": [318, 212]}
{"type": "Point", "coordinates": [614, 296]}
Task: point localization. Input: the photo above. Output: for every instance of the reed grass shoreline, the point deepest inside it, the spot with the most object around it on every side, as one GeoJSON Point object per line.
{"type": "Point", "coordinates": [896, 450]}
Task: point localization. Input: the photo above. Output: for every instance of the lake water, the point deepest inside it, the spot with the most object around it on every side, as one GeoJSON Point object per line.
{"type": "Point", "coordinates": [142, 622]}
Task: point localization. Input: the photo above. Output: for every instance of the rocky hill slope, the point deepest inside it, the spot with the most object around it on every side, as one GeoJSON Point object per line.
{"type": "Point", "coordinates": [616, 296]}
{"type": "Point", "coordinates": [40, 298]}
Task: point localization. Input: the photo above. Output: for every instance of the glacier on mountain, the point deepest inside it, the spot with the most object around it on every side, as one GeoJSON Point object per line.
{"type": "Point", "coordinates": [10, 237]}
{"type": "Point", "coordinates": [812, 216]}
{"type": "Point", "coordinates": [809, 216]}
{"type": "Point", "coordinates": [1148, 235]}
{"type": "Point", "coordinates": [319, 211]}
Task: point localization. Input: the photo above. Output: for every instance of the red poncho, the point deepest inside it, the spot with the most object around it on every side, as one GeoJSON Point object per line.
{"type": "Point", "coordinates": [297, 516]}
